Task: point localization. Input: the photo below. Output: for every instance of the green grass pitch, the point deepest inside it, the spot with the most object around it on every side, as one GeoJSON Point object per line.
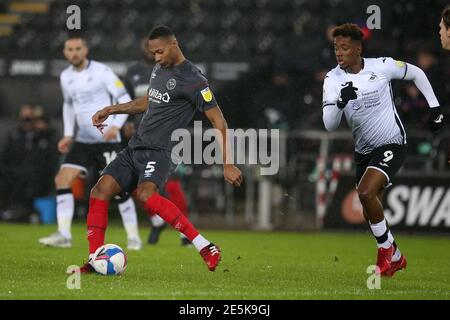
{"type": "Point", "coordinates": [255, 265]}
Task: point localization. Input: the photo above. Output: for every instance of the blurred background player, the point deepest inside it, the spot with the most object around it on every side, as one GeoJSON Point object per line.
{"type": "Point", "coordinates": [136, 82]}
{"type": "Point", "coordinates": [27, 163]}
{"type": "Point", "coordinates": [360, 88]}
{"type": "Point", "coordinates": [444, 26]}
{"type": "Point", "coordinates": [87, 86]}
{"type": "Point", "coordinates": [177, 89]}
{"type": "Point", "coordinates": [15, 198]}
{"type": "Point", "coordinates": [444, 32]}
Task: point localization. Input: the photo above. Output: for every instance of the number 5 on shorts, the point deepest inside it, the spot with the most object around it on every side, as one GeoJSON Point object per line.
{"type": "Point", "coordinates": [149, 168]}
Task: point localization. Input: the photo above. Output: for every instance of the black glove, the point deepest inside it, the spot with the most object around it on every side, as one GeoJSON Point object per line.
{"type": "Point", "coordinates": [436, 120]}
{"type": "Point", "coordinates": [347, 93]}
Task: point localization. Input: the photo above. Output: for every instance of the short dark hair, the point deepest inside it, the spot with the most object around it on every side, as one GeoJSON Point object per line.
{"type": "Point", "coordinates": [77, 35]}
{"type": "Point", "coordinates": [349, 30]}
{"type": "Point", "coordinates": [446, 16]}
{"type": "Point", "coordinates": [160, 32]}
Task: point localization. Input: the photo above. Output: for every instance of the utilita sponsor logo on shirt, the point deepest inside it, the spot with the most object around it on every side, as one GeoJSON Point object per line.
{"type": "Point", "coordinates": [155, 96]}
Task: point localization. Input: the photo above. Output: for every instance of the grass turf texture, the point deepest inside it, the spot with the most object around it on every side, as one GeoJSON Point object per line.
{"type": "Point", "coordinates": [255, 265]}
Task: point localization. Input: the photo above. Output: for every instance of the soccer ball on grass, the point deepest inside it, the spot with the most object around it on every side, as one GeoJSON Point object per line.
{"type": "Point", "coordinates": [109, 259]}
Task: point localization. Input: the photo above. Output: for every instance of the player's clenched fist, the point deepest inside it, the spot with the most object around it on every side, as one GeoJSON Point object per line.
{"type": "Point", "coordinates": [99, 117]}
{"type": "Point", "coordinates": [232, 175]}
{"type": "Point", "coordinates": [436, 120]}
{"type": "Point", "coordinates": [64, 144]}
{"type": "Point", "coordinates": [347, 93]}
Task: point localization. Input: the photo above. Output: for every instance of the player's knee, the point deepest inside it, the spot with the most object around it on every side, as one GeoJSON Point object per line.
{"type": "Point", "coordinates": [101, 191]}
{"type": "Point", "coordinates": [56, 181]}
{"type": "Point", "coordinates": [62, 181]}
{"type": "Point", "coordinates": [366, 195]}
{"type": "Point", "coordinates": [143, 193]}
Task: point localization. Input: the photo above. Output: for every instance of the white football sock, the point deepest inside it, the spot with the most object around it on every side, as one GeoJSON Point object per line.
{"type": "Point", "coordinates": [390, 237]}
{"type": "Point", "coordinates": [200, 242]}
{"type": "Point", "coordinates": [397, 255]}
{"type": "Point", "coordinates": [65, 206]}
{"type": "Point", "coordinates": [129, 218]}
{"type": "Point", "coordinates": [378, 229]}
{"type": "Point", "coordinates": [157, 221]}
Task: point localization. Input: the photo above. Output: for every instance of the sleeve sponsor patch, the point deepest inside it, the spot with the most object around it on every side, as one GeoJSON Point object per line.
{"type": "Point", "coordinates": [118, 84]}
{"type": "Point", "coordinates": [207, 94]}
{"type": "Point", "coordinates": [399, 63]}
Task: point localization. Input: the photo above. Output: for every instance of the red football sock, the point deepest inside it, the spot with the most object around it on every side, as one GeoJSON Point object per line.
{"type": "Point", "coordinates": [170, 213]}
{"type": "Point", "coordinates": [97, 221]}
{"type": "Point", "coordinates": [176, 195]}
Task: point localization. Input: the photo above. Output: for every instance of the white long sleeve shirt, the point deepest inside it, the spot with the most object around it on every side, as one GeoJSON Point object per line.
{"type": "Point", "coordinates": [372, 116]}
{"type": "Point", "coordinates": [87, 91]}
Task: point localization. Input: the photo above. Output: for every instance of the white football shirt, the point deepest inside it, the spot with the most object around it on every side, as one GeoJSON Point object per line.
{"type": "Point", "coordinates": [372, 116]}
{"type": "Point", "coordinates": [87, 91]}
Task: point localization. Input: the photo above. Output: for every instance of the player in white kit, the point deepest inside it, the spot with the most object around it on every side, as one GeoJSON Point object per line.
{"type": "Point", "coordinates": [87, 87]}
{"type": "Point", "coordinates": [360, 88]}
{"type": "Point", "coordinates": [444, 28]}
{"type": "Point", "coordinates": [444, 32]}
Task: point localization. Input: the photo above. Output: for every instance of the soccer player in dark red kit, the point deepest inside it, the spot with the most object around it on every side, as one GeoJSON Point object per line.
{"type": "Point", "coordinates": [177, 89]}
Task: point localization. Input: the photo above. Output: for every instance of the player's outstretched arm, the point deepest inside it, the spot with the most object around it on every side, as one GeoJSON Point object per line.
{"type": "Point", "coordinates": [231, 173]}
{"type": "Point", "coordinates": [423, 84]}
{"type": "Point", "coordinates": [135, 106]}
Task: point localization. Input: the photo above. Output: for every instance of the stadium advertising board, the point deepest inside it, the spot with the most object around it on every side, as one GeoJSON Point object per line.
{"type": "Point", "coordinates": [418, 203]}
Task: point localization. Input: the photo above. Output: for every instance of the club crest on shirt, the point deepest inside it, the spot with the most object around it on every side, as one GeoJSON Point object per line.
{"type": "Point", "coordinates": [206, 94]}
{"type": "Point", "coordinates": [171, 84]}
{"type": "Point", "coordinates": [373, 77]}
